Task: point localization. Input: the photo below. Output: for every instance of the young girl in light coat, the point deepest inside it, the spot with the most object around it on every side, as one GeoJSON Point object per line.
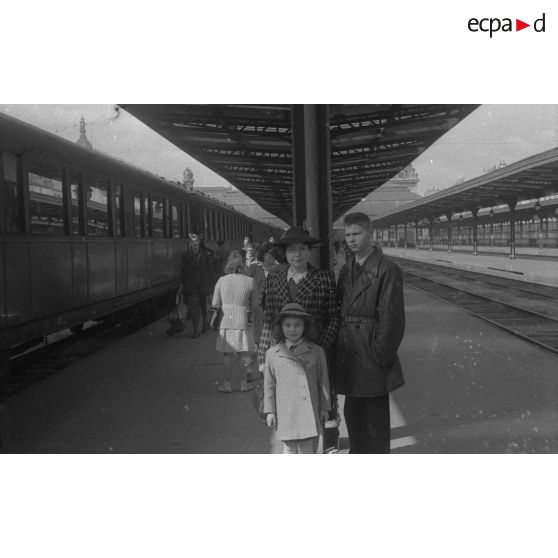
{"type": "Point", "coordinates": [296, 385]}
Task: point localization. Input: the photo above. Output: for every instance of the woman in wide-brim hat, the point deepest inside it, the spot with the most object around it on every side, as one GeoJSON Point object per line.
{"type": "Point", "coordinates": [301, 283]}
{"type": "Point", "coordinates": [297, 235]}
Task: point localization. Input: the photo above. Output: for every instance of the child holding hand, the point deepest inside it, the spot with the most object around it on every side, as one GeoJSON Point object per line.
{"type": "Point", "coordinates": [296, 385]}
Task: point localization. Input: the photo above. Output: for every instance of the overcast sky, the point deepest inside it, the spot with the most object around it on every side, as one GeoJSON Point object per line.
{"type": "Point", "coordinates": [490, 134]}
{"type": "Point", "coordinates": [119, 134]}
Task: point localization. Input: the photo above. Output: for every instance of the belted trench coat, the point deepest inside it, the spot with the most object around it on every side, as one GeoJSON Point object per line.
{"type": "Point", "coordinates": [372, 328]}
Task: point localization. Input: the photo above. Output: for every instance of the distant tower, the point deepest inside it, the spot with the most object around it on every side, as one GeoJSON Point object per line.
{"type": "Point", "coordinates": [405, 181]}
{"type": "Point", "coordinates": [188, 179]}
{"type": "Point", "coordinates": [83, 140]}
{"type": "Point", "coordinates": [393, 194]}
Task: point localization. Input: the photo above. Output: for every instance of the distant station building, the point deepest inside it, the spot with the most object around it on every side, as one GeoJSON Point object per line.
{"type": "Point", "coordinates": [188, 179]}
{"type": "Point", "coordinates": [83, 140]}
{"type": "Point", "coordinates": [430, 191]}
{"type": "Point", "coordinates": [399, 191]}
{"type": "Point", "coordinates": [241, 202]}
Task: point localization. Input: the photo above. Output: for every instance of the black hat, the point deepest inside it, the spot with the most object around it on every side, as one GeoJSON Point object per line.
{"type": "Point", "coordinates": [297, 235]}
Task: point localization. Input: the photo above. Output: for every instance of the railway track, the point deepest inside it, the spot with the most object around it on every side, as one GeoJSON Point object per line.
{"type": "Point", "coordinates": [533, 318]}
{"type": "Point", "coordinates": [536, 291]}
{"type": "Point", "coordinates": [39, 362]}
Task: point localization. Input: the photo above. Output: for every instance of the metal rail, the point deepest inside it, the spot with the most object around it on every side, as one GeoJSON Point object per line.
{"type": "Point", "coordinates": [542, 291]}
{"type": "Point", "coordinates": [41, 361]}
{"type": "Point", "coordinates": [536, 328]}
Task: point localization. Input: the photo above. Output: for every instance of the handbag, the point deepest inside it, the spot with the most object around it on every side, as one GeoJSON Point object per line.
{"type": "Point", "coordinates": [258, 398]}
{"type": "Point", "coordinates": [181, 308]}
{"type": "Point", "coordinates": [178, 316]}
{"type": "Point", "coordinates": [213, 317]}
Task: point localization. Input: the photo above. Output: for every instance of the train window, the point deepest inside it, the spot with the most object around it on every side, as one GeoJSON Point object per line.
{"type": "Point", "coordinates": [10, 196]}
{"type": "Point", "coordinates": [146, 227]}
{"type": "Point", "coordinates": [133, 214]}
{"type": "Point", "coordinates": [46, 206]}
{"type": "Point", "coordinates": [205, 225]}
{"type": "Point", "coordinates": [74, 197]}
{"type": "Point", "coordinates": [96, 191]}
{"type": "Point", "coordinates": [187, 220]}
{"type": "Point", "coordinates": [209, 224]}
{"type": "Point", "coordinates": [158, 217]}
{"type": "Point", "coordinates": [174, 223]}
{"type": "Point", "coordinates": [119, 207]}
{"type": "Point", "coordinates": [215, 227]}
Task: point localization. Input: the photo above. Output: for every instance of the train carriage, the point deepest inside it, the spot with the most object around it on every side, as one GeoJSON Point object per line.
{"type": "Point", "coordinates": [83, 235]}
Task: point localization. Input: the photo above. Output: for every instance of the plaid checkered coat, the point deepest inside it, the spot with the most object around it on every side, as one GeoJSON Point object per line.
{"type": "Point", "coordinates": [317, 295]}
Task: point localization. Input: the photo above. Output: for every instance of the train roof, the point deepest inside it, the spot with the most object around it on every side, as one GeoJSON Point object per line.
{"type": "Point", "coordinates": [23, 137]}
{"type": "Point", "coordinates": [533, 177]}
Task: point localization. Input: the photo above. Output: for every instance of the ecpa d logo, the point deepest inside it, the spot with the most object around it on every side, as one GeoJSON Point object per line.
{"type": "Point", "coordinates": [493, 25]}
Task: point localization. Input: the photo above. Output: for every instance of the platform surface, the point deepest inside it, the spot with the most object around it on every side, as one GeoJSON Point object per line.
{"type": "Point", "coordinates": [544, 272]}
{"type": "Point", "coordinates": [470, 388]}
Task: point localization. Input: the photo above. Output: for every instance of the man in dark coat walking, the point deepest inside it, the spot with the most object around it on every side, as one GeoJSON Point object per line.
{"type": "Point", "coordinates": [370, 293]}
{"type": "Point", "coordinates": [198, 279]}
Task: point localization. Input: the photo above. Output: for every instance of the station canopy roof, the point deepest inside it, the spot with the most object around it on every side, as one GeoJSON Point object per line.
{"type": "Point", "coordinates": [251, 145]}
{"type": "Point", "coordinates": [527, 179]}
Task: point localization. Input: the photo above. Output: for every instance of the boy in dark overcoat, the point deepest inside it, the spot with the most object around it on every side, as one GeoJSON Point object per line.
{"type": "Point", "coordinates": [370, 295]}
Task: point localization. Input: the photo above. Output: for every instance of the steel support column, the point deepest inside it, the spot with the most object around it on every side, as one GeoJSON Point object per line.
{"type": "Point", "coordinates": [539, 231]}
{"type": "Point", "coordinates": [449, 215]}
{"type": "Point", "coordinates": [475, 225]}
{"type": "Point", "coordinates": [430, 233]}
{"type": "Point", "coordinates": [405, 235]}
{"type": "Point", "coordinates": [417, 223]}
{"type": "Point", "coordinates": [512, 204]}
{"type": "Point", "coordinates": [312, 198]}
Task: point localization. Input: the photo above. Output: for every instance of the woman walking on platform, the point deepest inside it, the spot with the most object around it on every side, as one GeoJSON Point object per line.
{"type": "Point", "coordinates": [234, 294]}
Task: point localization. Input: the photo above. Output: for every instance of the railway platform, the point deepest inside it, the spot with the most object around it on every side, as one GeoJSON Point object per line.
{"type": "Point", "coordinates": [543, 272]}
{"type": "Point", "coordinates": [470, 388]}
